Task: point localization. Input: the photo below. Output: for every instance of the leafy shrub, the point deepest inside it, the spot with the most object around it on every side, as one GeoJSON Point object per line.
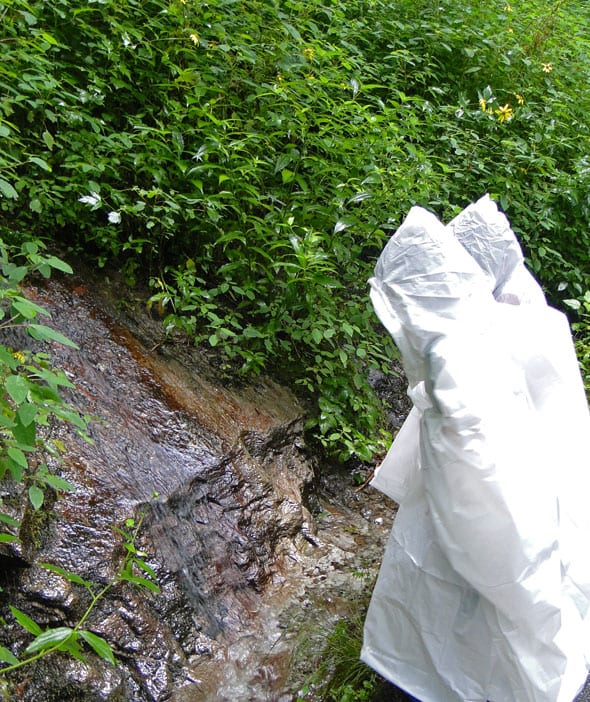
{"type": "Point", "coordinates": [252, 159]}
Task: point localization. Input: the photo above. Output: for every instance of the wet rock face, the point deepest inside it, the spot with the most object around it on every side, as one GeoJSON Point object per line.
{"type": "Point", "coordinates": [220, 478]}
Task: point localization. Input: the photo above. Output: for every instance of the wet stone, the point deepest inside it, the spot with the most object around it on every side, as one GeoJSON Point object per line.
{"type": "Point", "coordinates": [226, 492]}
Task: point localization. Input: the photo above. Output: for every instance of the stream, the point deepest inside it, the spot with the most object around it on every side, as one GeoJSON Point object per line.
{"type": "Point", "coordinates": [257, 551]}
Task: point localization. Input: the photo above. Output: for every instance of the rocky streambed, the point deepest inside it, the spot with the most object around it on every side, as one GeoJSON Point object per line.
{"type": "Point", "coordinates": [257, 549]}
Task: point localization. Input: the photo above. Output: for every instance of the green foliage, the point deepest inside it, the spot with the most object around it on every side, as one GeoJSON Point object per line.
{"type": "Point", "coordinates": [30, 399]}
{"type": "Point", "coordinates": [253, 158]}
{"type": "Point", "coordinates": [71, 639]}
{"type": "Point", "coordinates": [340, 675]}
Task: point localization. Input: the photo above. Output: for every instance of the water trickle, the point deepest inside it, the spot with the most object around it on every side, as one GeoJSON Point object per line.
{"type": "Point", "coordinates": [221, 474]}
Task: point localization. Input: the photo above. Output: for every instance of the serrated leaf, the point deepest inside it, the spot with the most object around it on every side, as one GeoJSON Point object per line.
{"type": "Point", "coordinates": [99, 645]}
{"type": "Point", "coordinates": [43, 333]}
{"type": "Point", "coordinates": [26, 622]}
{"type": "Point", "coordinates": [49, 638]}
{"type": "Point", "coordinates": [7, 656]}
{"type": "Point", "coordinates": [36, 496]}
{"type": "Point", "coordinates": [17, 387]}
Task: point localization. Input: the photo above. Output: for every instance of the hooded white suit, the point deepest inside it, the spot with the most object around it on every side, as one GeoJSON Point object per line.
{"type": "Point", "coordinates": [484, 591]}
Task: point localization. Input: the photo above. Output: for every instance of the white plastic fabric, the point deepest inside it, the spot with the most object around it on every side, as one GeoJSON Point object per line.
{"type": "Point", "coordinates": [484, 590]}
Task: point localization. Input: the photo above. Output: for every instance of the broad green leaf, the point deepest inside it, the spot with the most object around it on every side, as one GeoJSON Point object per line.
{"type": "Point", "coordinates": [16, 470]}
{"type": "Point", "coordinates": [24, 435]}
{"type": "Point", "coordinates": [17, 456]}
{"type": "Point", "coordinates": [43, 333]}
{"type": "Point", "coordinates": [49, 638]}
{"type": "Point", "coordinates": [26, 622]}
{"type": "Point", "coordinates": [317, 335]}
{"type": "Point", "coordinates": [7, 190]}
{"type": "Point", "coordinates": [17, 387]}
{"type": "Point", "coordinates": [26, 413]}
{"type": "Point", "coordinates": [28, 309]}
{"type": "Point", "coordinates": [7, 656]}
{"type": "Point", "coordinates": [36, 496]}
{"type": "Point", "coordinates": [99, 645]}
{"type": "Point", "coordinates": [58, 264]}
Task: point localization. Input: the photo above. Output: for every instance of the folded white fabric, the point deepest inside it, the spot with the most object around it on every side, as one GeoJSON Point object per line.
{"type": "Point", "coordinates": [484, 591]}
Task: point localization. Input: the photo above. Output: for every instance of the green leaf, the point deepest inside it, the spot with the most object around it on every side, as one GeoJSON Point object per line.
{"type": "Point", "coordinates": [317, 335]}
{"type": "Point", "coordinates": [28, 309]}
{"type": "Point", "coordinates": [8, 538]}
{"type": "Point", "coordinates": [48, 139]}
{"type": "Point", "coordinates": [7, 519]}
{"type": "Point", "coordinates": [145, 567]}
{"type": "Point", "coordinates": [36, 496]}
{"type": "Point", "coordinates": [142, 582]}
{"type": "Point", "coordinates": [17, 387]}
{"type": "Point", "coordinates": [72, 577]}
{"type": "Point", "coordinates": [26, 413]}
{"type": "Point", "coordinates": [41, 163]}
{"type": "Point", "coordinates": [25, 435]}
{"type": "Point", "coordinates": [15, 469]}
{"type": "Point", "coordinates": [7, 656]}
{"type": "Point", "coordinates": [7, 190]}
{"type": "Point", "coordinates": [58, 483]}
{"type": "Point", "coordinates": [43, 333]}
{"type": "Point", "coordinates": [49, 638]}
{"type": "Point", "coordinates": [26, 622]}
{"type": "Point", "coordinates": [58, 264]}
{"type": "Point", "coordinates": [17, 456]}
{"type": "Point", "coordinates": [99, 645]}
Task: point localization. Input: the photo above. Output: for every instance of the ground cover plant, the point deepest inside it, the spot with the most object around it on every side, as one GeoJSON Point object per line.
{"type": "Point", "coordinates": [250, 159]}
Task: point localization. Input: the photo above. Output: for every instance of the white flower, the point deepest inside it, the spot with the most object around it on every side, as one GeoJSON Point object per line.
{"type": "Point", "coordinates": [93, 199]}
{"type": "Point", "coordinates": [114, 217]}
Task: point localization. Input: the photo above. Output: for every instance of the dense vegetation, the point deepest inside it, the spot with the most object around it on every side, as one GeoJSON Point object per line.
{"type": "Point", "coordinates": [249, 159]}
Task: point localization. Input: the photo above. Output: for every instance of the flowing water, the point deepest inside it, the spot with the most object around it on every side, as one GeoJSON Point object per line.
{"type": "Point", "coordinates": [227, 486]}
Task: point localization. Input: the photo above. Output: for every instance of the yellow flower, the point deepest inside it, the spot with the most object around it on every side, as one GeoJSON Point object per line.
{"type": "Point", "coordinates": [507, 8]}
{"type": "Point", "coordinates": [547, 67]}
{"type": "Point", "coordinates": [20, 356]}
{"type": "Point", "coordinates": [483, 105]}
{"type": "Point", "coordinates": [519, 99]}
{"type": "Point", "coordinates": [195, 39]}
{"type": "Point", "coordinates": [505, 113]}
{"type": "Point", "coordinates": [309, 53]}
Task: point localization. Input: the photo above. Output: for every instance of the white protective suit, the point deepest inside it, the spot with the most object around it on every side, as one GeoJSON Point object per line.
{"type": "Point", "coordinates": [484, 590]}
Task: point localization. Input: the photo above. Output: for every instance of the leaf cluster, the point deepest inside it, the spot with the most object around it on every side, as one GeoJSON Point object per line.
{"type": "Point", "coordinates": [30, 400]}
{"type": "Point", "coordinates": [253, 158]}
{"type": "Point", "coordinates": [70, 639]}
